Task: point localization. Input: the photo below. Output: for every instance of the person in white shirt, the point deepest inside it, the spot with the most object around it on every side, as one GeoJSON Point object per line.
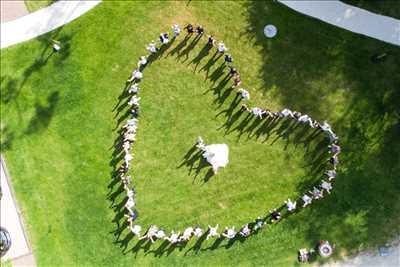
{"type": "Point", "coordinates": [160, 234]}
{"type": "Point", "coordinates": [126, 146]}
{"type": "Point", "coordinates": [130, 203]}
{"type": "Point", "coordinates": [164, 39]}
{"type": "Point", "coordinates": [134, 88]}
{"type": "Point", "coordinates": [131, 137]}
{"type": "Point", "coordinates": [212, 232]}
{"type": "Point", "coordinates": [128, 157]}
{"type": "Point", "coordinates": [173, 238]}
{"type": "Point", "coordinates": [305, 118]}
{"type": "Point", "coordinates": [287, 112]}
{"type": "Point", "coordinates": [331, 174]}
{"type": "Point", "coordinates": [151, 232]}
{"type": "Point", "coordinates": [244, 94]}
{"type": "Point", "coordinates": [221, 47]}
{"type": "Point", "coordinates": [142, 61]}
{"type": "Point", "coordinates": [316, 193]}
{"type": "Point", "coordinates": [176, 29]}
{"type": "Point", "coordinates": [187, 234]}
{"type": "Point", "coordinates": [291, 206]}
{"type": "Point", "coordinates": [245, 231]}
{"type": "Point", "coordinates": [134, 101]}
{"type": "Point", "coordinates": [152, 47]}
{"type": "Point", "coordinates": [327, 186]}
{"type": "Point", "coordinates": [135, 229]}
{"type": "Point", "coordinates": [130, 193]}
{"type": "Point", "coordinates": [258, 112]}
{"type": "Point", "coordinates": [136, 75]}
{"type": "Point", "coordinates": [197, 231]}
{"type": "Point", "coordinates": [306, 199]}
{"type": "Point", "coordinates": [229, 232]}
{"type": "Point", "coordinates": [131, 122]}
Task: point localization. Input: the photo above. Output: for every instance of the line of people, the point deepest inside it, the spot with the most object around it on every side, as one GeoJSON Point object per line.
{"type": "Point", "coordinates": [154, 233]}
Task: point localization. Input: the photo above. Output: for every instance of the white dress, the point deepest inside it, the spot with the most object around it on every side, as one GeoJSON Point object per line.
{"type": "Point", "coordinates": [217, 155]}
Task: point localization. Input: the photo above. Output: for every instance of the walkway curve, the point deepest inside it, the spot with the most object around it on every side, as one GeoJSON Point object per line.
{"type": "Point", "coordinates": [351, 18]}
{"type": "Point", "coordinates": [43, 21]}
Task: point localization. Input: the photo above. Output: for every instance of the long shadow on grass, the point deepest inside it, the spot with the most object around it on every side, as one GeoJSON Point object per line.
{"type": "Point", "coordinates": [326, 62]}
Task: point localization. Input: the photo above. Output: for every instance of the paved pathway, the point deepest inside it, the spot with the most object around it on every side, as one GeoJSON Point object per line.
{"type": "Point", "coordinates": [12, 9]}
{"type": "Point", "coordinates": [372, 259]}
{"type": "Point", "coordinates": [43, 21]}
{"type": "Point", "coordinates": [351, 18]}
{"type": "Point", "coordinates": [11, 220]}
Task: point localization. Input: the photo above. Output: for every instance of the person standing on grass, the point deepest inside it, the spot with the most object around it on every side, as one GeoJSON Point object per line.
{"type": "Point", "coordinates": [176, 29]}
{"type": "Point", "coordinates": [128, 157]}
{"type": "Point", "coordinates": [135, 229]}
{"type": "Point", "coordinates": [131, 217]}
{"type": "Point", "coordinates": [228, 59]}
{"type": "Point", "coordinates": [212, 232]}
{"type": "Point", "coordinates": [326, 186]}
{"type": "Point", "coordinates": [56, 45]}
{"type": "Point", "coordinates": [259, 223]}
{"type": "Point", "coordinates": [189, 28]}
{"type": "Point", "coordinates": [275, 215]}
{"type": "Point", "coordinates": [152, 47]}
{"type": "Point", "coordinates": [316, 193]}
{"type": "Point", "coordinates": [306, 199]}
{"type": "Point", "coordinates": [334, 149]}
{"type": "Point", "coordinates": [134, 101]}
{"type": "Point", "coordinates": [134, 88]}
{"type": "Point", "coordinates": [245, 231]}
{"type": "Point", "coordinates": [199, 30]}
{"type": "Point", "coordinates": [187, 234]}
{"type": "Point", "coordinates": [221, 47]}
{"type": "Point", "coordinates": [233, 71]}
{"type": "Point", "coordinates": [136, 75]}
{"type": "Point", "coordinates": [331, 174]}
{"type": "Point", "coordinates": [150, 234]}
{"type": "Point", "coordinates": [291, 206]}
{"type": "Point", "coordinates": [236, 81]}
{"type": "Point", "coordinates": [229, 233]}
{"type": "Point", "coordinates": [130, 203]}
{"type": "Point", "coordinates": [160, 234]}
{"type": "Point", "coordinates": [244, 94]}
{"type": "Point", "coordinates": [142, 61]}
{"type": "Point", "coordinates": [334, 161]}
{"type": "Point", "coordinates": [126, 180]}
{"type": "Point", "coordinates": [173, 238]}
{"type": "Point", "coordinates": [197, 231]}
{"type": "Point", "coordinates": [211, 40]}
{"type": "Point", "coordinates": [164, 39]}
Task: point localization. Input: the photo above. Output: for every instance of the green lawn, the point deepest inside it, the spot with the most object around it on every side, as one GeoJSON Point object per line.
{"type": "Point", "coordinates": [383, 7]}
{"type": "Point", "coordinates": [59, 125]}
{"type": "Point", "coordinates": [34, 5]}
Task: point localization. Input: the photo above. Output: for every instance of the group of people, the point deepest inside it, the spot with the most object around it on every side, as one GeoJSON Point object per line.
{"type": "Point", "coordinates": [154, 232]}
{"type": "Point", "coordinates": [333, 148]}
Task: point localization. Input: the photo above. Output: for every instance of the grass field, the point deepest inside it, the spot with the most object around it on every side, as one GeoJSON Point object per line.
{"type": "Point", "coordinates": [59, 125]}
{"type": "Point", "coordinates": [34, 5]}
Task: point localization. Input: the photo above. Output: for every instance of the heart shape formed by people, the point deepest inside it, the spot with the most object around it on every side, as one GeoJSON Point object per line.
{"type": "Point", "coordinates": [217, 154]}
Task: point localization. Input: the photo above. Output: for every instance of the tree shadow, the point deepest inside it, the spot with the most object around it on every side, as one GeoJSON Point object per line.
{"type": "Point", "coordinates": [361, 209]}
{"type": "Point", "coordinates": [43, 114]}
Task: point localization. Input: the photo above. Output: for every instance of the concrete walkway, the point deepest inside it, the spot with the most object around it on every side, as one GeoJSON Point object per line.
{"type": "Point", "coordinates": [372, 259]}
{"type": "Point", "coordinates": [20, 252]}
{"type": "Point", "coordinates": [351, 18]}
{"type": "Point", "coordinates": [43, 21]}
{"type": "Point", "coordinates": [12, 9]}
